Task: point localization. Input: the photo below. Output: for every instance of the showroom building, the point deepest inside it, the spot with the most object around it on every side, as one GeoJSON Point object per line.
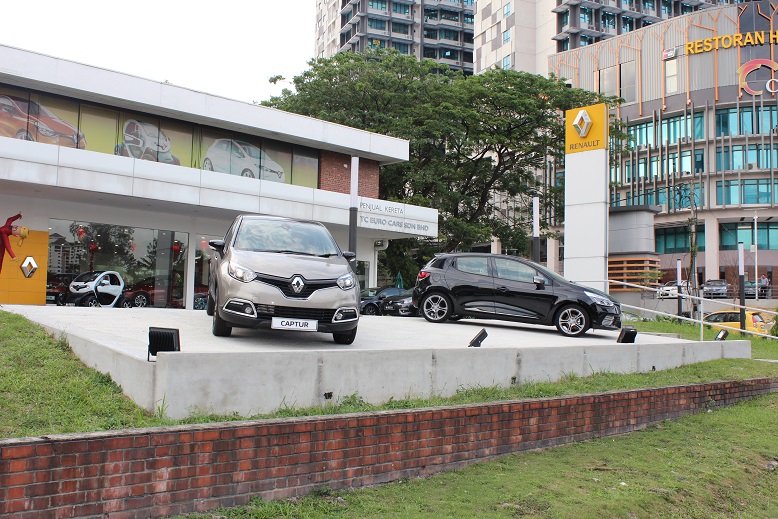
{"type": "Point", "coordinates": [700, 104]}
{"type": "Point", "coordinates": [116, 172]}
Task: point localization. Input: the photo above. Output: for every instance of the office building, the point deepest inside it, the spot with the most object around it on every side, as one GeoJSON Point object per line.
{"type": "Point", "coordinates": [441, 30]}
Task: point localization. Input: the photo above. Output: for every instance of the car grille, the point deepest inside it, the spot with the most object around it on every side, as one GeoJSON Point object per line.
{"type": "Point", "coordinates": [322, 315]}
{"type": "Point", "coordinates": [284, 285]}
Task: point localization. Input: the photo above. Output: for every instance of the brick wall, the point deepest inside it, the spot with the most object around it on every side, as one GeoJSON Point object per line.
{"type": "Point", "coordinates": [161, 472]}
{"type": "Point", "coordinates": [335, 174]}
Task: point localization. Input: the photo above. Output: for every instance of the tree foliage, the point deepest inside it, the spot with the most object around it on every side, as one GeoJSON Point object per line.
{"type": "Point", "coordinates": [470, 137]}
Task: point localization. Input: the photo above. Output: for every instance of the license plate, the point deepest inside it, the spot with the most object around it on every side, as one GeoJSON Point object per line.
{"type": "Point", "coordinates": [389, 307]}
{"type": "Point", "coordinates": [51, 298]}
{"type": "Point", "coordinates": [70, 304]}
{"type": "Point", "coordinates": [301, 325]}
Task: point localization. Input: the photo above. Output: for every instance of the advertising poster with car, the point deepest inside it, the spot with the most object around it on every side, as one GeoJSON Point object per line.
{"type": "Point", "coordinates": [46, 119]}
{"type": "Point", "coordinates": [242, 157]}
{"type": "Point", "coordinates": [141, 138]}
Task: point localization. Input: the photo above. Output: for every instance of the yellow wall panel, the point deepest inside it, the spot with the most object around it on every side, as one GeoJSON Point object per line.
{"type": "Point", "coordinates": [14, 287]}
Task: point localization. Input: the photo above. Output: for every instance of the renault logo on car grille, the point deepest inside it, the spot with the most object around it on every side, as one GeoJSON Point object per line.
{"type": "Point", "coordinates": [297, 284]}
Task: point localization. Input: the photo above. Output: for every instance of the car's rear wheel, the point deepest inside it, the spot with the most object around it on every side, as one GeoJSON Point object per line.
{"type": "Point", "coordinates": [209, 306]}
{"type": "Point", "coordinates": [370, 310]}
{"type": "Point", "coordinates": [247, 173]}
{"type": "Point", "coordinates": [123, 302]}
{"type": "Point", "coordinates": [344, 337]}
{"type": "Point", "coordinates": [207, 165]}
{"type": "Point", "coordinates": [141, 300]}
{"type": "Point", "coordinates": [572, 320]}
{"type": "Point", "coordinates": [220, 327]}
{"type": "Point", "coordinates": [436, 308]}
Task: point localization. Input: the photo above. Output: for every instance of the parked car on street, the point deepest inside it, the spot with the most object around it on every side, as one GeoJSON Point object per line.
{"type": "Point", "coordinates": [401, 304]}
{"type": "Point", "coordinates": [242, 158]}
{"type": "Point", "coordinates": [716, 288]}
{"type": "Point", "coordinates": [670, 289]}
{"type": "Point", "coordinates": [731, 318]}
{"type": "Point", "coordinates": [492, 286]}
{"type": "Point", "coordinates": [282, 274]}
{"type": "Point", "coordinates": [370, 298]}
{"type": "Point", "coordinates": [97, 288]}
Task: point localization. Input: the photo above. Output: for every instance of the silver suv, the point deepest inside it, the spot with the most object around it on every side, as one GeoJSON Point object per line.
{"type": "Point", "coordinates": [282, 274]}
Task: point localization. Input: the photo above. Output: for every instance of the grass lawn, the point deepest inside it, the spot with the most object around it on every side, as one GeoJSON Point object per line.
{"type": "Point", "coordinates": [714, 464]}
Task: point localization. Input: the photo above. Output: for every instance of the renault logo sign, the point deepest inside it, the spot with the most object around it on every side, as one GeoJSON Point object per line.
{"type": "Point", "coordinates": [29, 267]}
{"type": "Point", "coordinates": [297, 284]}
{"type": "Point", "coordinates": [582, 124]}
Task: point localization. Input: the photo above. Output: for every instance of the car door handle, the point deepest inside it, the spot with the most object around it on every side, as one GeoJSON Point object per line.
{"type": "Point", "coordinates": [502, 289]}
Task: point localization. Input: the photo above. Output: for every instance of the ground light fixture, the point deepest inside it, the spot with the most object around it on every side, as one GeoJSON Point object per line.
{"type": "Point", "coordinates": [478, 339]}
{"type": "Point", "coordinates": [722, 335]}
{"type": "Point", "coordinates": [627, 334]}
{"type": "Point", "coordinates": [163, 339]}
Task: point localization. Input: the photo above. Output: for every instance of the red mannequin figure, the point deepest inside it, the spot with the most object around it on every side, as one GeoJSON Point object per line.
{"type": "Point", "coordinates": [11, 230]}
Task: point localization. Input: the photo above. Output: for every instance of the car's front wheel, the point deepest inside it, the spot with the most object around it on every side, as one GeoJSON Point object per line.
{"type": "Point", "coordinates": [436, 308]}
{"type": "Point", "coordinates": [90, 301]}
{"type": "Point", "coordinates": [572, 321]}
{"type": "Point", "coordinates": [247, 173]}
{"type": "Point", "coordinates": [220, 327]}
{"type": "Point", "coordinates": [207, 165]}
{"type": "Point", "coordinates": [141, 300]}
{"type": "Point", "coordinates": [344, 337]}
{"type": "Point", "coordinates": [370, 310]}
{"type": "Point", "coordinates": [123, 302]}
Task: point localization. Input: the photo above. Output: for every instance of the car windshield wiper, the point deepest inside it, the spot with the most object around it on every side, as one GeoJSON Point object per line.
{"type": "Point", "coordinates": [328, 255]}
{"type": "Point", "coordinates": [287, 251]}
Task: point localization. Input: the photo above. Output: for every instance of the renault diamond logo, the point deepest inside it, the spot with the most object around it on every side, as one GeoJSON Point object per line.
{"type": "Point", "coordinates": [582, 124]}
{"type": "Point", "coordinates": [297, 284]}
{"type": "Point", "coordinates": [29, 267]}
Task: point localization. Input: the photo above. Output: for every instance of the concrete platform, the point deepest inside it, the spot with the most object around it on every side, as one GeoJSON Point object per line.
{"type": "Point", "coordinates": [259, 371]}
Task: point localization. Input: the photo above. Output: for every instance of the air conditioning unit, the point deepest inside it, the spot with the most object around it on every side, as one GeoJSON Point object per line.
{"type": "Point", "coordinates": [591, 26]}
{"type": "Point", "coordinates": [664, 207]}
{"type": "Point", "coordinates": [683, 140]}
{"type": "Point", "coordinates": [752, 165]}
{"type": "Point", "coordinates": [775, 131]}
{"type": "Point", "coordinates": [641, 147]}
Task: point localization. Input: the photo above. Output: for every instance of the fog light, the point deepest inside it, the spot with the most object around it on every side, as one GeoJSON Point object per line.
{"type": "Point", "coordinates": [344, 314]}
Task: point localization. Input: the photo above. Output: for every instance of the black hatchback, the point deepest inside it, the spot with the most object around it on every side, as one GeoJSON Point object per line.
{"type": "Point", "coordinates": [493, 286]}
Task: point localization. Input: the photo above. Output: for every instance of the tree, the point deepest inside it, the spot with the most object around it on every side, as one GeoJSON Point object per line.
{"type": "Point", "coordinates": [470, 137]}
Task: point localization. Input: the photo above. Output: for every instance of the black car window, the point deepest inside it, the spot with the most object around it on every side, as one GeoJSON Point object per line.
{"type": "Point", "coordinates": [475, 265]}
{"type": "Point", "coordinates": [714, 318]}
{"type": "Point", "coordinates": [514, 270]}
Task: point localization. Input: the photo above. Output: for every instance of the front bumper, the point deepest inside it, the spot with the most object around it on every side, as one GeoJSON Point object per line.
{"type": "Point", "coordinates": [606, 317]}
{"type": "Point", "coordinates": [255, 304]}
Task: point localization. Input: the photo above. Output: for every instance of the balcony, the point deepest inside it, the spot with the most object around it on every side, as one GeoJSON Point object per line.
{"type": "Point", "coordinates": [378, 13]}
{"type": "Point", "coordinates": [455, 5]}
{"type": "Point", "coordinates": [398, 36]}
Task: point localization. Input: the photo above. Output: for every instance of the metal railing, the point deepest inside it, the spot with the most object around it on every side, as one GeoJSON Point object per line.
{"type": "Point", "coordinates": [700, 303]}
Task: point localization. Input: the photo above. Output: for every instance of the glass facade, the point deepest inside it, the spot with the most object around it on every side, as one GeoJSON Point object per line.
{"type": "Point", "coordinates": [675, 240]}
{"type": "Point", "coordinates": [151, 262]}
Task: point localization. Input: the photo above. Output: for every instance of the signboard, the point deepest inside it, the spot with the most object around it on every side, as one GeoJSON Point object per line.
{"type": "Point", "coordinates": [586, 128]}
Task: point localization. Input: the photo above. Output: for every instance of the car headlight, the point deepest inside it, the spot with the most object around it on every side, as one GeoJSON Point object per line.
{"type": "Point", "coordinates": [241, 273]}
{"type": "Point", "coordinates": [45, 130]}
{"type": "Point", "coordinates": [598, 299]}
{"type": "Point", "coordinates": [346, 281]}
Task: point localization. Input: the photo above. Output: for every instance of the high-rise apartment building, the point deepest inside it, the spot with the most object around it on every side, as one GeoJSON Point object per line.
{"type": "Point", "coordinates": [523, 34]}
{"type": "Point", "coordinates": [441, 30]}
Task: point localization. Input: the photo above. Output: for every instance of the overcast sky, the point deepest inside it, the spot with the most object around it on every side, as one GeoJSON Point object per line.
{"type": "Point", "coordinates": [229, 47]}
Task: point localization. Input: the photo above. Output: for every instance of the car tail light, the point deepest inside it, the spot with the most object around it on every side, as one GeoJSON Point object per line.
{"type": "Point", "coordinates": [423, 275]}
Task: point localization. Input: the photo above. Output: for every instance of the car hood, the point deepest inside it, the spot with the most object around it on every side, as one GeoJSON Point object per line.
{"type": "Point", "coordinates": [287, 265]}
{"type": "Point", "coordinates": [58, 125]}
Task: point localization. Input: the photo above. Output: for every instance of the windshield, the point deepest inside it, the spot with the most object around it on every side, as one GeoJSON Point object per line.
{"type": "Point", "coordinates": [285, 236]}
{"type": "Point", "coordinates": [250, 150]}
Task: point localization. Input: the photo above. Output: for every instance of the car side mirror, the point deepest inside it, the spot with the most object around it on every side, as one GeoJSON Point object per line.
{"type": "Point", "coordinates": [350, 256]}
{"type": "Point", "coordinates": [540, 282]}
{"type": "Point", "coordinates": [217, 245]}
